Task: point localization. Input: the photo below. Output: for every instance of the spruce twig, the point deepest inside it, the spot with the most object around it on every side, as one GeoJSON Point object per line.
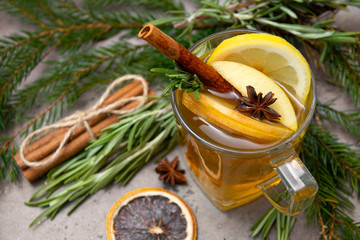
{"type": "Point", "coordinates": [349, 120]}
{"type": "Point", "coordinates": [333, 168]}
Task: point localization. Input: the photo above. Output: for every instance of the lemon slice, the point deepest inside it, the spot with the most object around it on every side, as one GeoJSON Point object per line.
{"type": "Point", "coordinates": [272, 56]}
{"type": "Point", "coordinates": [240, 76]}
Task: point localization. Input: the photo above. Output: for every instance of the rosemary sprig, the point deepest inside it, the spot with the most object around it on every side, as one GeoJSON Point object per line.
{"type": "Point", "coordinates": [180, 79]}
{"type": "Point", "coordinates": [147, 132]}
{"type": "Point", "coordinates": [283, 225]}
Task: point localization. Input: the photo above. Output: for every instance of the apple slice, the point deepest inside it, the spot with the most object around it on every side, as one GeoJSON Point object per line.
{"type": "Point", "coordinates": [240, 76]}
{"type": "Point", "coordinates": [221, 114]}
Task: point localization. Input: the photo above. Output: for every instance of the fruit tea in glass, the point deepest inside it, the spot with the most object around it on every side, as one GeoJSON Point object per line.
{"type": "Point", "coordinates": [232, 169]}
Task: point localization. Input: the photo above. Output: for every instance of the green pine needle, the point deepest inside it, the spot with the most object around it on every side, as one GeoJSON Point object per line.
{"type": "Point", "coordinates": [349, 120]}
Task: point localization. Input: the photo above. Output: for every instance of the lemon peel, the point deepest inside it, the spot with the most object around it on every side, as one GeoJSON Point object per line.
{"type": "Point", "coordinates": [271, 55]}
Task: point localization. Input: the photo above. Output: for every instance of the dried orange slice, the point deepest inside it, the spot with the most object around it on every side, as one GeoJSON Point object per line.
{"type": "Point", "coordinates": [150, 213]}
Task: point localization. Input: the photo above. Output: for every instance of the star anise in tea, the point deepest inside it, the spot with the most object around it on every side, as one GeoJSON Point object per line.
{"type": "Point", "coordinates": [169, 172]}
{"type": "Point", "coordinates": [257, 105]}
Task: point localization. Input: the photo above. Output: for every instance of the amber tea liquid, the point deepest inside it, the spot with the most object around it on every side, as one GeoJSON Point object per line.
{"type": "Point", "coordinates": [230, 178]}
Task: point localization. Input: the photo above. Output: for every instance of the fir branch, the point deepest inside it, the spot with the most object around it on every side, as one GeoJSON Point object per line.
{"type": "Point", "coordinates": [21, 57]}
{"type": "Point", "coordinates": [66, 29]}
{"type": "Point", "coordinates": [159, 5]}
{"type": "Point", "coordinates": [21, 8]}
{"type": "Point", "coordinates": [8, 168]}
{"type": "Point", "coordinates": [64, 13]}
{"type": "Point", "coordinates": [81, 72]}
{"type": "Point", "coordinates": [343, 68]}
{"type": "Point", "coordinates": [349, 120]}
{"type": "Point", "coordinates": [51, 13]}
{"type": "Point", "coordinates": [337, 156]}
{"type": "Point", "coordinates": [334, 165]}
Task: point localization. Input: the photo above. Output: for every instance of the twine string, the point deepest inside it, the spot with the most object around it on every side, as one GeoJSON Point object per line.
{"type": "Point", "coordinates": [81, 118]}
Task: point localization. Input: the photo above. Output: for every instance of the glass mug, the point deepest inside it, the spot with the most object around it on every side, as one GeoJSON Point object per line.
{"type": "Point", "coordinates": [230, 177]}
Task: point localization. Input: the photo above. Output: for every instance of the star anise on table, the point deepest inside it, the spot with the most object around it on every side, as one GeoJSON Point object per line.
{"type": "Point", "coordinates": [257, 105]}
{"type": "Point", "coordinates": [169, 172]}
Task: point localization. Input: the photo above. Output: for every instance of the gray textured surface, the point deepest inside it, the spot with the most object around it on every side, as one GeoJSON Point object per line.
{"type": "Point", "coordinates": [88, 221]}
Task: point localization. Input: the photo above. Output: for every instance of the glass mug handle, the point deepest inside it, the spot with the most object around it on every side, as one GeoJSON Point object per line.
{"type": "Point", "coordinates": [293, 189]}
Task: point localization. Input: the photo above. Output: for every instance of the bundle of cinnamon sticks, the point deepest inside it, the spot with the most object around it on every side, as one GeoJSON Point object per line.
{"type": "Point", "coordinates": [43, 149]}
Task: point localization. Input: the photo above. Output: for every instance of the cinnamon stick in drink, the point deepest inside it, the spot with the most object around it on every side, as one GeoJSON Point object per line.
{"type": "Point", "coordinates": [184, 58]}
{"type": "Point", "coordinates": [49, 143]}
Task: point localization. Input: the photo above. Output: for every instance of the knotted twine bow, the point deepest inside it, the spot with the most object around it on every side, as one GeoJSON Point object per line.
{"type": "Point", "coordinates": [79, 118]}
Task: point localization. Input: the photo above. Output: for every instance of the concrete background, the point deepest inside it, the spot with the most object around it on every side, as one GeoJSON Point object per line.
{"type": "Point", "coordinates": [88, 221]}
